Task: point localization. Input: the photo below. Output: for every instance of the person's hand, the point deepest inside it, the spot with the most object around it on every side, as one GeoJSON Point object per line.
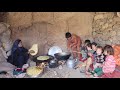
{"type": "Point", "coordinates": [68, 49]}
{"type": "Point", "coordinates": [71, 46]}
{"type": "Point", "coordinates": [90, 54]}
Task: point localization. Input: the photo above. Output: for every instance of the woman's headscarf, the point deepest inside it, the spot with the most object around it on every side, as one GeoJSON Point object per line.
{"type": "Point", "coordinates": [15, 45]}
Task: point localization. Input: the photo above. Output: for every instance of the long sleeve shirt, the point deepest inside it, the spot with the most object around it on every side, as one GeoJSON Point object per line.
{"type": "Point", "coordinates": [99, 58]}
{"type": "Point", "coordinates": [109, 64]}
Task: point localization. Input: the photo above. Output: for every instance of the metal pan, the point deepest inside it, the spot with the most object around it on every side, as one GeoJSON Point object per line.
{"type": "Point", "coordinates": [62, 56]}
{"type": "Point", "coordinates": [40, 61]}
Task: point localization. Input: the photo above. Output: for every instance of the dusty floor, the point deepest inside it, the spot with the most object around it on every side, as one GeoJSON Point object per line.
{"type": "Point", "coordinates": [63, 72]}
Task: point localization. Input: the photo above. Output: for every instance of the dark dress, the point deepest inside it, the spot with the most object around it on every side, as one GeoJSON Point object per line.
{"type": "Point", "coordinates": [19, 56]}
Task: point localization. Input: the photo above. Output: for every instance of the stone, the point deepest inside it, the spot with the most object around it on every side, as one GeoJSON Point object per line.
{"type": "Point", "coordinates": [55, 73]}
{"type": "Point", "coordinates": [105, 33]}
{"type": "Point", "coordinates": [100, 39]}
{"type": "Point", "coordinates": [105, 26]}
{"type": "Point", "coordinates": [96, 29]}
{"type": "Point", "coordinates": [110, 25]}
{"type": "Point", "coordinates": [5, 37]}
{"type": "Point", "coordinates": [2, 57]}
{"type": "Point", "coordinates": [43, 16]}
{"type": "Point", "coordinates": [109, 15]}
{"type": "Point", "coordinates": [110, 20]}
{"type": "Point", "coordinates": [103, 43]}
{"type": "Point", "coordinates": [3, 27]}
{"type": "Point", "coordinates": [118, 23]}
{"type": "Point", "coordinates": [22, 19]}
{"type": "Point", "coordinates": [115, 42]}
{"type": "Point", "coordinates": [60, 67]}
{"type": "Point", "coordinates": [94, 33]}
{"type": "Point", "coordinates": [98, 22]}
{"type": "Point", "coordinates": [118, 37]}
{"type": "Point", "coordinates": [118, 33]}
{"type": "Point", "coordinates": [99, 16]}
{"type": "Point", "coordinates": [32, 63]}
{"type": "Point", "coordinates": [100, 26]}
{"type": "Point", "coordinates": [116, 19]}
{"type": "Point", "coordinates": [116, 26]}
{"type": "Point", "coordinates": [105, 37]}
{"type": "Point", "coordinates": [101, 23]}
{"type": "Point", "coordinates": [108, 42]}
{"type": "Point", "coordinates": [112, 33]}
{"type": "Point", "coordinates": [107, 30]}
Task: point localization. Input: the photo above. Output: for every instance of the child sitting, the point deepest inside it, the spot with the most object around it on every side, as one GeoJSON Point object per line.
{"type": "Point", "coordinates": [94, 47]}
{"type": "Point", "coordinates": [99, 58]}
{"type": "Point", "coordinates": [84, 50]}
{"type": "Point", "coordinates": [89, 60]}
{"type": "Point", "coordinates": [109, 64]}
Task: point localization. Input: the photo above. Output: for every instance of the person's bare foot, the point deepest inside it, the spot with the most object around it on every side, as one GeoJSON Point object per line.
{"type": "Point", "coordinates": [95, 76]}
{"type": "Point", "coordinates": [88, 73]}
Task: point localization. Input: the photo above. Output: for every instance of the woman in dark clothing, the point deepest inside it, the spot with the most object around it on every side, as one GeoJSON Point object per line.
{"type": "Point", "coordinates": [19, 55]}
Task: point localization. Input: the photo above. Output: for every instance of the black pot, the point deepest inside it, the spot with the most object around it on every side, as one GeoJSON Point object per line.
{"type": "Point", "coordinates": [62, 56]}
{"type": "Point", "coordinates": [53, 63]}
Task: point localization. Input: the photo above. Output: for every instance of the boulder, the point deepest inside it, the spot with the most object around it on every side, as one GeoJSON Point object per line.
{"type": "Point", "coordinates": [5, 66]}
{"type": "Point", "coordinates": [2, 58]}
{"type": "Point", "coordinates": [3, 27]}
{"type": "Point", "coordinates": [99, 16]}
{"type": "Point", "coordinates": [112, 33]}
{"type": "Point", "coordinates": [105, 26]}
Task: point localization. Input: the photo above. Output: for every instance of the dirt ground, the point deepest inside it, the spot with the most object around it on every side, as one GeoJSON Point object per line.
{"type": "Point", "coordinates": [58, 72]}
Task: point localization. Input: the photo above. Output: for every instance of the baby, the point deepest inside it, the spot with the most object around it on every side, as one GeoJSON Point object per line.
{"type": "Point", "coordinates": [99, 58]}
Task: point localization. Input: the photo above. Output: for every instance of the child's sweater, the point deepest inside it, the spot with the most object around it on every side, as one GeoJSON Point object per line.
{"type": "Point", "coordinates": [109, 64]}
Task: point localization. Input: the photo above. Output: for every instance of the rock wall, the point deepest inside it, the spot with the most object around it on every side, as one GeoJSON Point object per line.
{"type": "Point", "coordinates": [49, 28]}
{"type": "Point", "coordinates": [3, 16]}
{"type": "Point", "coordinates": [106, 28]}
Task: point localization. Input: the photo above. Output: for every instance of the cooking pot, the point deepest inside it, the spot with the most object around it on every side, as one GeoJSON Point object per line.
{"type": "Point", "coordinates": [71, 63]}
{"type": "Point", "coordinates": [53, 63]}
{"type": "Point", "coordinates": [62, 55]}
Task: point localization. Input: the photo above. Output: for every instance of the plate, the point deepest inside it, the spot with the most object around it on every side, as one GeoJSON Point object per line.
{"type": "Point", "coordinates": [34, 71]}
{"type": "Point", "coordinates": [53, 50]}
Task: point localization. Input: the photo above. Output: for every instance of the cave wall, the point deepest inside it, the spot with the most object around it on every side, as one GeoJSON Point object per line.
{"type": "Point", "coordinates": [3, 16]}
{"type": "Point", "coordinates": [48, 28]}
{"type": "Point", "coordinates": [106, 28]}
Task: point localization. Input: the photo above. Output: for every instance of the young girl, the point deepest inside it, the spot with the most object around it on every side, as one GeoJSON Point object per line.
{"type": "Point", "coordinates": [109, 64]}
{"type": "Point", "coordinates": [84, 50]}
{"type": "Point", "coordinates": [89, 60]}
{"type": "Point", "coordinates": [94, 47]}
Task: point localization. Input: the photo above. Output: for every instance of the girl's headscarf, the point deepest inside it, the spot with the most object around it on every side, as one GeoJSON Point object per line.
{"type": "Point", "coordinates": [15, 45]}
